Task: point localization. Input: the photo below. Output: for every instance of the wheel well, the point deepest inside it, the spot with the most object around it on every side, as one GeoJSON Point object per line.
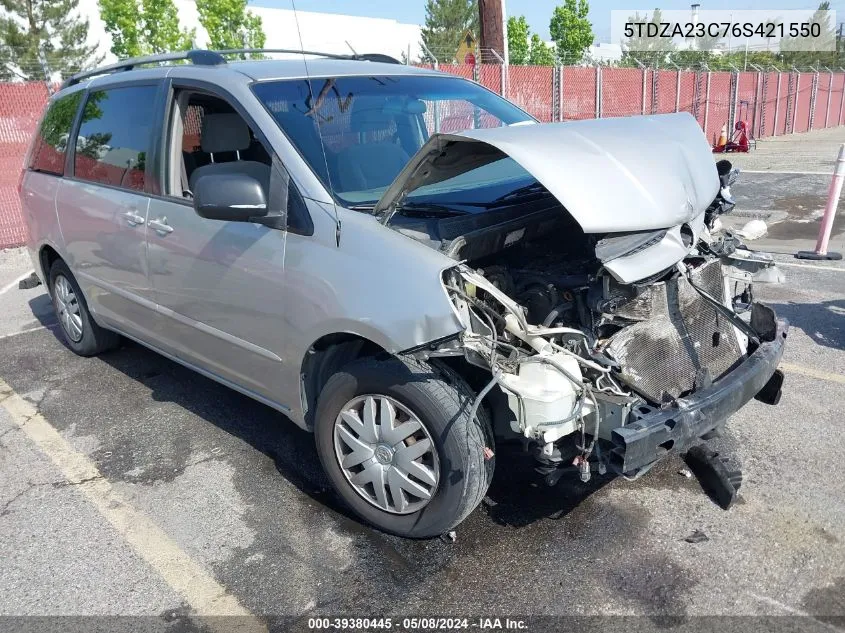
{"type": "Point", "coordinates": [46, 257]}
{"type": "Point", "coordinates": [323, 359]}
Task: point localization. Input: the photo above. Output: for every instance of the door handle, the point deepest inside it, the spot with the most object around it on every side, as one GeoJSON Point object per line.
{"type": "Point", "coordinates": [160, 226]}
{"type": "Point", "coordinates": [132, 218]}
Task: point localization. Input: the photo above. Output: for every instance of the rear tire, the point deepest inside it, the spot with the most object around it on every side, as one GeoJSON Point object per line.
{"type": "Point", "coordinates": [81, 333]}
{"type": "Point", "coordinates": [454, 472]}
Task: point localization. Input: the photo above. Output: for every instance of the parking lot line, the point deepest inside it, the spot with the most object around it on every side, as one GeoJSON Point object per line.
{"type": "Point", "coordinates": [208, 598]}
{"type": "Point", "coordinates": [831, 268]}
{"type": "Point", "coordinates": [27, 331]}
{"type": "Point", "coordinates": [13, 284]}
{"type": "Point", "coordinates": [812, 373]}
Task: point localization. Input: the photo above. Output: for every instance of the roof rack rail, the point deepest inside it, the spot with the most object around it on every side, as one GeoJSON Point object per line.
{"type": "Point", "coordinates": [370, 57]}
{"type": "Point", "coordinates": [196, 56]}
{"type": "Point", "coordinates": [202, 57]}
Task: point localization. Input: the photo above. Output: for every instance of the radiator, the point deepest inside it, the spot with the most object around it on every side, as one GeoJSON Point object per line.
{"type": "Point", "coordinates": [679, 342]}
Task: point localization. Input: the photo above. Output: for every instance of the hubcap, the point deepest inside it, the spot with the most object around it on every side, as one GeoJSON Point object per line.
{"type": "Point", "coordinates": [386, 454]}
{"type": "Point", "coordinates": [67, 308]}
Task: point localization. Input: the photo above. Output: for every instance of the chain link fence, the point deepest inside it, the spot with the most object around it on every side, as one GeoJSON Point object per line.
{"type": "Point", "coordinates": [771, 103]}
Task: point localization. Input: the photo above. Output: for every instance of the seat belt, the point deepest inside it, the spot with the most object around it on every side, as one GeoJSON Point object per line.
{"type": "Point", "coordinates": [186, 190]}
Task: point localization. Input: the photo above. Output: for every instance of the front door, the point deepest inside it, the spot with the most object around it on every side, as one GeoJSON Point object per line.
{"type": "Point", "coordinates": [218, 284]}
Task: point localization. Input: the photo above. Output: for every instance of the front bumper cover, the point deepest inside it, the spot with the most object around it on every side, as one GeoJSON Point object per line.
{"type": "Point", "coordinates": [661, 431]}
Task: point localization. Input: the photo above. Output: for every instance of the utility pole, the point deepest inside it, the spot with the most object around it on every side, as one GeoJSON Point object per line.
{"type": "Point", "coordinates": [491, 21]}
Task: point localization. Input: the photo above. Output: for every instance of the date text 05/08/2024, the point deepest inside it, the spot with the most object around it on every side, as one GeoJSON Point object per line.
{"type": "Point", "coordinates": [417, 624]}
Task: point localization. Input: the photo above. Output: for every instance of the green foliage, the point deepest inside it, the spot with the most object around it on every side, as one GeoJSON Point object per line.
{"type": "Point", "coordinates": [571, 30]}
{"type": "Point", "coordinates": [817, 56]}
{"type": "Point", "coordinates": [541, 54]}
{"type": "Point", "coordinates": [650, 51]}
{"type": "Point", "coordinates": [143, 27]}
{"type": "Point", "coordinates": [230, 25]}
{"type": "Point", "coordinates": [525, 47]}
{"type": "Point", "coordinates": [518, 33]}
{"type": "Point", "coordinates": [32, 29]}
{"type": "Point", "coordinates": [446, 21]}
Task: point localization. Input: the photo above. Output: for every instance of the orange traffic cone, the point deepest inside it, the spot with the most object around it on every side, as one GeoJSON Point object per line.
{"type": "Point", "coordinates": [723, 137]}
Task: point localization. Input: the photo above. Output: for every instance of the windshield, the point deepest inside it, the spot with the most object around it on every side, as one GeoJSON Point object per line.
{"type": "Point", "coordinates": [371, 126]}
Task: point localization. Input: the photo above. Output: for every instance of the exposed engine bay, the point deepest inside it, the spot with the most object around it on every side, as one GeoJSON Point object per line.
{"type": "Point", "coordinates": [577, 352]}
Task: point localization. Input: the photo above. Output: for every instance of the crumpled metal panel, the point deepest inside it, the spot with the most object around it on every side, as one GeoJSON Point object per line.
{"type": "Point", "coordinates": [680, 335]}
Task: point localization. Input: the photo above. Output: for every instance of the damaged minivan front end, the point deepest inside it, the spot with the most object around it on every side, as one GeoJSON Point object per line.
{"type": "Point", "coordinates": [614, 321]}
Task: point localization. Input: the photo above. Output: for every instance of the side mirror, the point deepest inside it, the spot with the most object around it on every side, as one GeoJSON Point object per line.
{"type": "Point", "coordinates": [232, 197]}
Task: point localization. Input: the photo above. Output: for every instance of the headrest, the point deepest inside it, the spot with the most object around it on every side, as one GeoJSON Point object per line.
{"type": "Point", "coordinates": [370, 120]}
{"type": "Point", "coordinates": [224, 133]}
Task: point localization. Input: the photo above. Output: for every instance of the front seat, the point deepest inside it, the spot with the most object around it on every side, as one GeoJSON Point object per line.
{"type": "Point", "coordinates": [228, 133]}
{"type": "Point", "coordinates": [370, 164]}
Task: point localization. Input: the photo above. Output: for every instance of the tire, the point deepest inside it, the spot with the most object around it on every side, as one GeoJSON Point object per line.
{"type": "Point", "coordinates": [441, 401]}
{"type": "Point", "coordinates": [82, 335]}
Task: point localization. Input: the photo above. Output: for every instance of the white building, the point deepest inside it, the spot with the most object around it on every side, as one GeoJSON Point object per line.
{"type": "Point", "coordinates": [324, 32]}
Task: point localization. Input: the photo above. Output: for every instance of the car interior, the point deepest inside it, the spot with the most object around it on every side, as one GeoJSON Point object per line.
{"type": "Point", "coordinates": [215, 139]}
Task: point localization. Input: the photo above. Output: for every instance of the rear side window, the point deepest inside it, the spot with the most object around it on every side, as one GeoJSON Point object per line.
{"type": "Point", "coordinates": [114, 137]}
{"type": "Point", "coordinates": [50, 146]}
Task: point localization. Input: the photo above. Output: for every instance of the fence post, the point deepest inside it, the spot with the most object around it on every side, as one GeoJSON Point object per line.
{"type": "Point", "coordinates": [598, 92]}
{"type": "Point", "coordinates": [755, 121]}
{"type": "Point", "coordinates": [678, 90]}
{"type": "Point", "coordinates": [777, 107]}
{"type": "Point", "coordinates": [560, 87]}
{"type": "Point", "coordinates": [829, 91]}
{"type": "Point", "coordinates": [814, 92]}
{"type": "Point", "coordinates": [841, 100]}
{"type": "Point", "coordinates": [645, 79]}
{"type": "Point", "coordinates": [795, 100]}
{"type": "Point", "coordinates": [46, 70]}
{"type": "Point", "coordinates": [707, 101]}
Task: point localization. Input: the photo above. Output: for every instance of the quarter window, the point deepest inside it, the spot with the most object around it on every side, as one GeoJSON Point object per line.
{"type": "Point", "coordinates": [114, 136]}
{"type": "Point", "coordinates": [48, 151]}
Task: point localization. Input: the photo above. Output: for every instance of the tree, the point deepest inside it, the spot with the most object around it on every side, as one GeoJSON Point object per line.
{"type": "Point", "coordinates": [518, 33]}
{"type": "Point", "coordinates": [446, 22]}
{"type": "Point", "coordinates": [812, 51]}
{"type": "Point", "coordinates": [651, 51]}
{"type": "Point", "coordinates": [143, 27]}
{"type": "Point", "coordinates": [230, 25]}
{"type": "Point", "coordinates": [48, 30]}
{"type": "Point", "coordinates": [541, 54]}
{"type": "Point", "coordinates": [571, 30]}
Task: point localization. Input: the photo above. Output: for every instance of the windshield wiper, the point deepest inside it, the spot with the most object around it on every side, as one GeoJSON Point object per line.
{"type": "Point", "coordinates": [522, 192]}
{"type": "Point", "coordinates": [363, 207]}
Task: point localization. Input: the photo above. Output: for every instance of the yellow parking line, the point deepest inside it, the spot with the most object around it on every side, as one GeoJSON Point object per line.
{"type": "Point", "coordinates": [208, 598]}
{"type": "Point", "coordinates": [812, 373]}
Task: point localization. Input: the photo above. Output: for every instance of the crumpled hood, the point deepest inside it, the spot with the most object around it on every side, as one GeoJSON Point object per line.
{"type": "Point", "coordinates": [611, 175]}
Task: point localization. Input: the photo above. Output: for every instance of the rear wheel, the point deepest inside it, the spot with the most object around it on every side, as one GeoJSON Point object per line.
{"type": "Point", "coordinates": [81, 333]}
{"type": "Point", "coordinates": [395, 438]}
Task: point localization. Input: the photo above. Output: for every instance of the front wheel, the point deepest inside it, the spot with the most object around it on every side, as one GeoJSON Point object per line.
{"type": "Point", "coordinates": [395, 438]}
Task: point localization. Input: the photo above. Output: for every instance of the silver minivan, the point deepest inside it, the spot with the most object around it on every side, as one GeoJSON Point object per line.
{"type": "Point", "coordinates": [407, 265]}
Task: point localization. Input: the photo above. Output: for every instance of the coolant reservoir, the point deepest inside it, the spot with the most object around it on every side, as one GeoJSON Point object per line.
{"type": "Point", "coordinates": [547, 398]}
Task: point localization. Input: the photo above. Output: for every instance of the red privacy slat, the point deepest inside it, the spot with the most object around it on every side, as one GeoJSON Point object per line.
{"type": "Point", "coordinates": [533, 89]}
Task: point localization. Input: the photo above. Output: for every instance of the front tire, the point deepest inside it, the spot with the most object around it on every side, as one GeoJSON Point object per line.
{"type": "Point", "coordinates": [81, 333]}
{"type": "Point", "coordinates": [395, 438]}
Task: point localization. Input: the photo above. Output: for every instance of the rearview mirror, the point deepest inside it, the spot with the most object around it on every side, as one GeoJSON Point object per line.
{"type": "Point", "coordinates": [232, 197]}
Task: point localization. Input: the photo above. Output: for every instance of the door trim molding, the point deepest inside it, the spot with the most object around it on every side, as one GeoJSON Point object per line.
{"type": "Point", "coordinates": [198, 325]}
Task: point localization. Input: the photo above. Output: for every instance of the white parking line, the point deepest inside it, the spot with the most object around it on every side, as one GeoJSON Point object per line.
{"type": "Point", "coordinates": [787, 173]}
{"type": "Point", "coordinates": [812, 373]}
{"type": "Point", "coordinates": [28, 330]}
{"type": "Point", "coordinates": [208, 598]}
{"type": "Point", "coordinates": [14, 284]}
{"type": "Point", "coordinates": [830, 268]}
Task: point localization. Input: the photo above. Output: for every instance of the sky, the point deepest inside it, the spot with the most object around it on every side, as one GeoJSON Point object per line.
{"type": "Point", "coordinates": [537, 12]}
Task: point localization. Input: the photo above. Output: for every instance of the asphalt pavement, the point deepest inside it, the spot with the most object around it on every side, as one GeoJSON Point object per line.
{"type": "Point", "coordinates": [130, 486]}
